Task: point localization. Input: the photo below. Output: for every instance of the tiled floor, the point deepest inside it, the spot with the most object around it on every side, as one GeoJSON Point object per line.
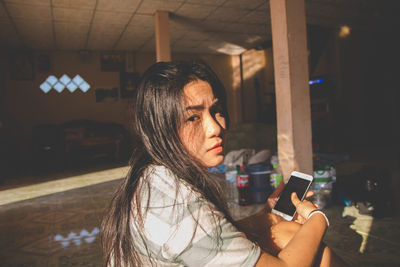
{"type": "Point", "coordinates": [57, 224]}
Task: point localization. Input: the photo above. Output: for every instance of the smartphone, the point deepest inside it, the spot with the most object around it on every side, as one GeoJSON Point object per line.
{"type": "Point", "coordinates": [299, 183]}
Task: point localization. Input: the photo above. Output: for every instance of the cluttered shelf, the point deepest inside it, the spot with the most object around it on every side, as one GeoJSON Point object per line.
{"type": "Point", "coordinates": [250, 177]}
{"type": "Point", "coordinates": [354, 195]}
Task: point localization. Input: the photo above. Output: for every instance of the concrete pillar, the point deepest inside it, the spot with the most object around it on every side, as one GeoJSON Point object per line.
{"type": "Point", "coordinates": [289, 40]}
{"type": "Point", "coordinates": [163, 45]}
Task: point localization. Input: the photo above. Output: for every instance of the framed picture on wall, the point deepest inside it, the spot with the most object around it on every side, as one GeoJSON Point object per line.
{"type": "Point", "coordinates": [112, 62]}
{"type": "Point", "coordinates": [128, 83]}
{"type": "Point", "coordinates": [21, 67]}
{"type": "Point", "coordinates": [106, 95]}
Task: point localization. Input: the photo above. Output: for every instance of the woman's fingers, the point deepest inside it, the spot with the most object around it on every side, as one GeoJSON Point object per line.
{"type": "Point", "coordinates": [295, 199]}
{"type": "Point", "coordinates": [273, 198]}
{"type": "Point", "coordinates": [277, 191]}
{"type": "Point", "coordinates": [309, 194]}
{"type": "Point", "coordinates": [303, 208]}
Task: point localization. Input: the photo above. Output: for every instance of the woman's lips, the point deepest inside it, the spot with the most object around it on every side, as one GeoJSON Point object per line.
{"type": "Point", "coordinates": [217, 148]}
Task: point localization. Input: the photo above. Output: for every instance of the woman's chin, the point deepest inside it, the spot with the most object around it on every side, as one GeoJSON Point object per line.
{"type": "Point", "coordinates": [214, 161]}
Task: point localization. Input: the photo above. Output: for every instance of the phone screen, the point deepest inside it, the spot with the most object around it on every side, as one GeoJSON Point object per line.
{"type": "Point", "coordinates": [297, 185]}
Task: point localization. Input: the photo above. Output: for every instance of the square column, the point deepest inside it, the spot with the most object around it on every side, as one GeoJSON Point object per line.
{"type": "Point", "coordinates": [163, 45]}
{"type": "Point", "coordinates": [289, 38]}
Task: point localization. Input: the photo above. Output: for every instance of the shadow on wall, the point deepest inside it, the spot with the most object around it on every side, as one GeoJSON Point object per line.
{"type": "Point", "coordinates": [256, 136]}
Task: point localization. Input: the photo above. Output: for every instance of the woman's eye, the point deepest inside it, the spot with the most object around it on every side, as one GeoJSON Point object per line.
{"type": "Point", "coordinates": [193, 118]}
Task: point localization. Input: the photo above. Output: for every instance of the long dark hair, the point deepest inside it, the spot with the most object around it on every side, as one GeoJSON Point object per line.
{"type": "Point", "coordinates": [158, 118]}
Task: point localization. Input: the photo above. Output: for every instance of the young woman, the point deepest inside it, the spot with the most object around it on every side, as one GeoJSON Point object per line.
{"type": "Point", "coordinates": [169, 211]}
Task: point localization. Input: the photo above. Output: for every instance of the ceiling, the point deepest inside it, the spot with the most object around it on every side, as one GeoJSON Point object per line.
{"type": "Point", "coordinates": [196, 26]}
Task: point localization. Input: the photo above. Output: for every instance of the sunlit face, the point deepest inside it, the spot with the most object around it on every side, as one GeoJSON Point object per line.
{"type": "Point", "coordinates": [203, 129]}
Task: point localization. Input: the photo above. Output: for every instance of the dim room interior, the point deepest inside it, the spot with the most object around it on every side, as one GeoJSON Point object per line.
{"type": "Point", "coordinates": [69, 71]}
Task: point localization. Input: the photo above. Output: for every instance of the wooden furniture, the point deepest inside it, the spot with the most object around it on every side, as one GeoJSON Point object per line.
{"type": "Point", "coordinates": [90, 143]}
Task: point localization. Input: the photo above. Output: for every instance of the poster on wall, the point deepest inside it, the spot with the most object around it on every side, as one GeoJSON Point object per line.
{"type": "Point", "coordinates": [112, 62]}
{"type": "Point", "coordinates": [129, 82]}
{"type": "Point", "coordinates": [21, 66]}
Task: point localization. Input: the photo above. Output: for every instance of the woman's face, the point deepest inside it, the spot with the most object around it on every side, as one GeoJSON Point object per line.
{"type": "Point", "coordinates": [203, 129]}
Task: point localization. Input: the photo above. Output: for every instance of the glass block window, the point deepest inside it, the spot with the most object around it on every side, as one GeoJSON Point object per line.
{"type": "Point", "coordinates": [64, 82]}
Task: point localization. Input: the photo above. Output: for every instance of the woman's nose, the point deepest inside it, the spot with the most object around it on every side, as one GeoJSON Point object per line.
{"type": "Point", "coordinates": [212, 127]}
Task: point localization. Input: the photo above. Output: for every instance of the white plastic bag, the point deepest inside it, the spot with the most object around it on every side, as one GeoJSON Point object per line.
{"type": "Point", "coordinates": [238, 157]}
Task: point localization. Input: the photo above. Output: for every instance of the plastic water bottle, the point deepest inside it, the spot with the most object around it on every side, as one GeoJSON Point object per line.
{"type": "Point", "coordinates": [231, 188]}
{"type": "Point", "coordinates": [324, 177]}
{"type": "Point", "coordinates": [276, 174]}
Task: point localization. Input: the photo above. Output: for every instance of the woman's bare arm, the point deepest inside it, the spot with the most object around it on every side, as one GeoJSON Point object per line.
{"type": "Point", "coordinates": [303, 247]}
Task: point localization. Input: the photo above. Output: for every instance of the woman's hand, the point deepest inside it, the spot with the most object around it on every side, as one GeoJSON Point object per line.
{"type": "Point", "coordinates": [303, 208]}
{"type": "Point", "coordinates": [274, 197]}
{"type": "Point", "coordinates": [281, 232]}
{"type": "Point", "coordinates": [280, 235]}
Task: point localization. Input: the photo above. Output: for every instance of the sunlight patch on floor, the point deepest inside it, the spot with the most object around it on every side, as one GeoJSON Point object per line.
{"type": "Point", "coordinates": [361, 225]}
{"type": "Point", "coordinates": [60, 185]}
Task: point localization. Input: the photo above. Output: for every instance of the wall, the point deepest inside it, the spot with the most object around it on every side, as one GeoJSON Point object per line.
{"type": "Point", "coordinates": [24, 105]}
{"type": "Point", "coordinates": [366, 111]}
{"type": "Point", "coordinates": [258, 85]}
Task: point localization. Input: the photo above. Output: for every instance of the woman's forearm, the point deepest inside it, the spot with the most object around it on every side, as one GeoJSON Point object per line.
{"type": "Point", "coordinates": [302, 248]}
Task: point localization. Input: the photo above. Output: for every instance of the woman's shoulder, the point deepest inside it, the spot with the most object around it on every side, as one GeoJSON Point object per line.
{"type": "Point", "coordinates": [164, 185]}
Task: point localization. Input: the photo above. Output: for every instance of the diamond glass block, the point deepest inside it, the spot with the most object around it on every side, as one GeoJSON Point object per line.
{"type": "Point", "coordinates": [45, 87]}
{"type": "Point", "coordinates": [65, 79]}
{"type": "Point", "coordinates": [84, 87]}
{"type": "Point", "coordinates": [77, 80]}
{"type": "Point", "coordinates": [59, 87]}
{"type": "Point", "coordinates": [52, 80]}
{"type": "Point", "coordinates": [72, 87]}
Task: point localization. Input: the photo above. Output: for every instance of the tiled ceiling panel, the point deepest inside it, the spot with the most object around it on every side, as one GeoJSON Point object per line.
{"type": "Point", "coordinates": [72, 15]}
{"type": "Point", "coordinates": [149, 45]}
{"type": "Point", "coordinates": [104, 18]}
{"type": "Point", "coordinates": [247, 4]}
{"type": "Point", "coordinates": [197, 35]}
{"type": "Point", "coordinates": [228, 14]}
{"type": "Point", "coordinates": [71, 36]}
{"type": "Point", "coordinates": [195, 11]}
{"type": "Point", "coordinates": [134, 37]}
{"type": "Point", "coordinates": [144, 21]}
{"type": "Point", "coordinates": [30, 12]}
{"type": "Point", "coordinates": [185, 44]}
{"type": "Point", "coordinates": [216, 26]}
{"type": "Point", "coordinates": [248, 28]}
{"type": "Point", "coordinates": [128, 6]}
{"type": "Point", "coordinates": [131, 43]}
{"type": "Point", "coordinates": [138, 32]}
{"type": "Point", "coordinates": [38, 34]}
{"type": "Point", "coordinates": [207, 2]}
{"type": "Point", "coordinates": [29, 2]}
{"type": "Point", "coordinates": [112, 31]}
{"type": "Point", "coordinates": [256, 17]}
{"type": "Point", "coordinates": [75, 4]}
{"type": "Point", "coordinates": [103, 42]}
{"type": "Point", "coordinates": [151, 6]}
